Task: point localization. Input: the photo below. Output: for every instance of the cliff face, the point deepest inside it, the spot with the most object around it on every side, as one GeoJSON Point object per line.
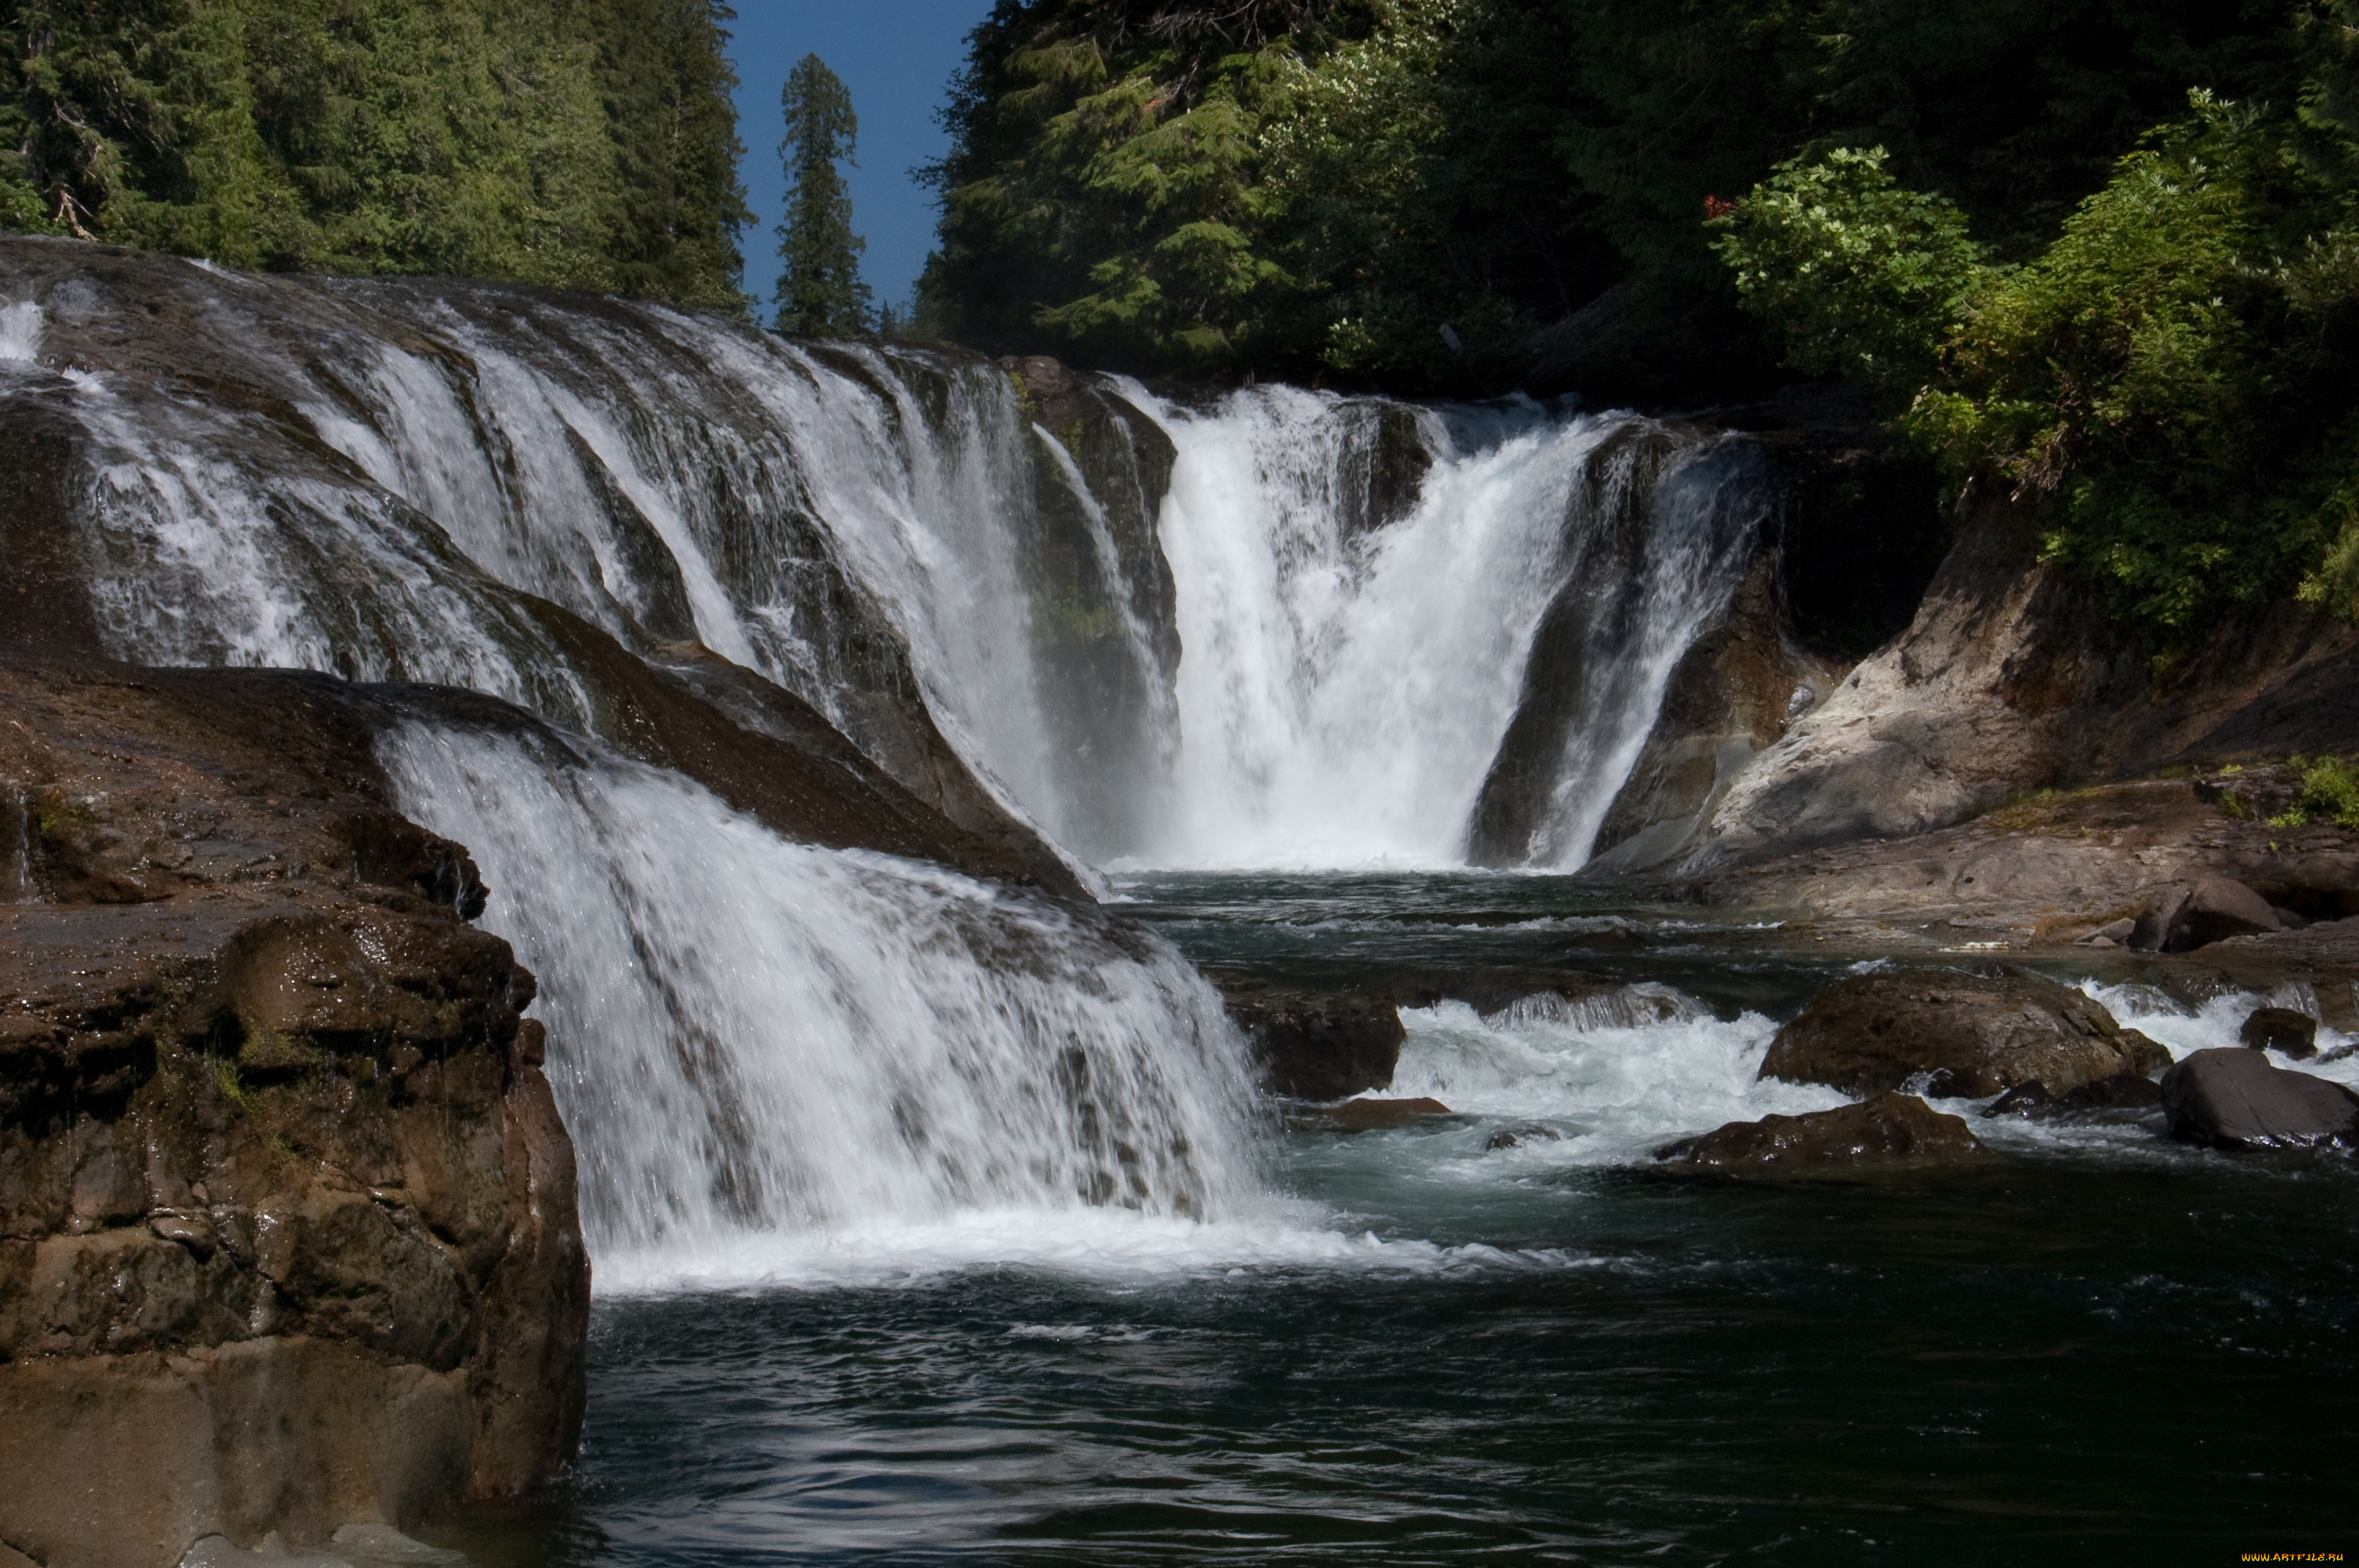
{"type": "Point", "coordinates": [286, 1224]}
{"type": "Point", "coordinates": [2011, 677]}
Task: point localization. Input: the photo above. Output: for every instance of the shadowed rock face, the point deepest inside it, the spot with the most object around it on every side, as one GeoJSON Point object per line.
{"type": "Point", "coordinates": [2013, 677]}
{"type": "Point", "coordinates": [1104, 614]}
{"type": "Point", "coordinates": [286, 1220]}
{"type": "Point", "coordinates": [1891, 1128]}
{"type": "Point", "coordinates": [1973, 1035]}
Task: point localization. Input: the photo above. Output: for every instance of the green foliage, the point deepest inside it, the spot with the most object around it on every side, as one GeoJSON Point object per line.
{"type": "Point", "coordinates": [577, 143]}
{"type": "Point", "coordinates": [1313, 187]}
{"type": "Point", "coordinates": [2330, 788]}
{"type": "Point", "coordinates": [1274, 185]}
{"type": "Point", "coordinates": [2176, 394]}
{"type": "Point", "coordinates": [820, 293]}
{"type": "Point", "coordinates": [1859, 277]}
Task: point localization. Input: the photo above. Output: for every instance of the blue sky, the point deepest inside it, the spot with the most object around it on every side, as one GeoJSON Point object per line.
{"type": "Point", "coordinates": [896, 56]}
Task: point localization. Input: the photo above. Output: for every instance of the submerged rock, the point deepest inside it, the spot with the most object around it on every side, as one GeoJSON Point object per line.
{"type": "Point", "coordinates": [1969, 1035]}
{"type": "Point", "coordinates": [1376, 1115]}
{"type": "Point", "coordinates": [2281, 1029]}
{"type": "Point", "coordinates": [2234, 1099]}
{"type": "Point", "coordinates": [1523, 1132]}
{"type": "Point", "coordinates": [1892, 1128]}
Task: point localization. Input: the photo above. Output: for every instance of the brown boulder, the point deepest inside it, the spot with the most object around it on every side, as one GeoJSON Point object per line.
{"type": "Point", "coordinates": [2281, 1029]}
{"type": "Point", "coordinates": [1972, 1036]}
{"type": "Point", "coordinates": [287, 1233]}
{"type": "Point", "coordinates": [2234, 1099]}
{"type": "Point", "coordinates": [1315, 1046]}
{"type": "Point", "coordinates": [1891, 1128]}
{"type": "Point", "coordinates": [2212, 910]}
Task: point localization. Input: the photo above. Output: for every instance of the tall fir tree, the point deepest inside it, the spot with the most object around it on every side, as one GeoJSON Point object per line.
{"type": "Point", "coordinates": [820, 291]}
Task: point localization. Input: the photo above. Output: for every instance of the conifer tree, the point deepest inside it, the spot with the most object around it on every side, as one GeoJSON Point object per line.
{"type": "Point", "coordinates": [820, 291]}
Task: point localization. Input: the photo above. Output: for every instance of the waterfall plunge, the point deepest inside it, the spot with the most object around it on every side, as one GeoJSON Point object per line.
{"type": "Point", "coordinates": [751, 1037]}
{"type": "Point", "coordinates": [1348, 679]}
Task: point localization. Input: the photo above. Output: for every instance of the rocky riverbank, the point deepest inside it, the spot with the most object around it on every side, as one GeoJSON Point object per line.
{"type": "Point", "coordinates": [287, 1225]}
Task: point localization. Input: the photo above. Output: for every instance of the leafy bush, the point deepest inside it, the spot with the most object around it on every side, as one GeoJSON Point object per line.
{"type": "Point", "coordinates": [1857, 276]}
{"type": "Point", "coordinates": [2330, 788]}
{"type": "Point", "coordinates": [2179, 400]}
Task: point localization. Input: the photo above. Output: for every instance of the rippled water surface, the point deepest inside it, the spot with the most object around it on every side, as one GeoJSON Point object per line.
{"type": "Point", "coordinates": [2100, 1349]}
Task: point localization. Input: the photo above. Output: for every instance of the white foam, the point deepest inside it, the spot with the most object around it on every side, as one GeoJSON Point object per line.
{"type": "Point", "coordinates": [1615, 1091]}
{"type": "Point", "coordinates": [1107, 1245]}
{"type": "Point", "coordinates": [1342, 694]}
{"type": "Point", "coordinates": [20, 333]}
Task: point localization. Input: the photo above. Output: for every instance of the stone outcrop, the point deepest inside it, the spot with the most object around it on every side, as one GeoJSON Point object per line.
{"type": "Point", "coordinates": [1732, 695]}
{"type": "Point", "coordinates": [1104, 620]}
{"type": "Point", "coordinates": [287, 1236]}
{"type": "Point", "coordinates": [2013, 678]}
{"type": "Point", "coordinates": [2291, 1034]}
{"type": "Point", "coordinates": [1890, 1130]}
{"type": "Point", "coordinates": [1966, 1035]}
{"type": "Point", "coordinates": [2234, 1099]}
{"type": "Point", "coordinates": [1315, 1046]}
{"type": "Point", "coordinates": [2061, 866]}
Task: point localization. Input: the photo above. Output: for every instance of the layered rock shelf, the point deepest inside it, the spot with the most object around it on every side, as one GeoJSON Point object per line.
{"type": "Point", "coordinates": [288, 1237]}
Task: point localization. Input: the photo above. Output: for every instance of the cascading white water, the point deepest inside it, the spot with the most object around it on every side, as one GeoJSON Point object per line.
{"type": "Point", "coordinates": [1344, 693]}
{"type": "Point", "coordinates": [828, 514]}
{"type": "Point", "coordinates": [749, 1036]}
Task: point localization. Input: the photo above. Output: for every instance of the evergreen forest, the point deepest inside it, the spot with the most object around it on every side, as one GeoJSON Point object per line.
{"type": "Point", "coordinates": [2099, 255]}
{"type": "Point", "coordinates": [582, 144]}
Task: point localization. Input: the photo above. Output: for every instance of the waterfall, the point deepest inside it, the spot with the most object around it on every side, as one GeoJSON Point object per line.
{"type": "Point", "coordinates": [1274, 627]}
{"type": "Point", "coordinates": [749, 1036]}
{"type": "Point", "coordinates": [1349, 676]}
{"type": "Point", "coordinates": [1312, 644]}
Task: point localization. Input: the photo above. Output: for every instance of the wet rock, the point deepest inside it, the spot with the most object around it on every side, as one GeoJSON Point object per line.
{"type": "Point", "coordinates": [2281, 1028]}
{"type": "Point", "coordinates": [2234, 1099]}
{"type": "Point", "coordinates": [1105, 618]}
{"type": "Point", "coordinates": [2148, 1055]}
{"type": "Point", "coordinates": [2121, 1092]}
{"type": "Point", "coordinates": [288, 1234]}
{"type": "Point", "coordinates": [1315, 1046]}
{"type": "Point", "coordinates": [1891, 1128]}
{"type": "Point", "coordinates": [1523, 1132]}
{"type": "Point", "coordinates": [1968, 1035]}
{"type": "Point", "coordinates": [2026, 1102]}
{"type": "Point", "coordinates": [1377, 1115]}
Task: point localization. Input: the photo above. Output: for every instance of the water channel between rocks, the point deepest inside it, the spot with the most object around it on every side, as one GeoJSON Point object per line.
{"type": "Point", "coordinates": [1413, 1349]}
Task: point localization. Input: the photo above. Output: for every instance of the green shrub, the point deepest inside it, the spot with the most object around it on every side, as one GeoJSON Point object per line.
{"type": "Point", "coordinates": [1857, 276]}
